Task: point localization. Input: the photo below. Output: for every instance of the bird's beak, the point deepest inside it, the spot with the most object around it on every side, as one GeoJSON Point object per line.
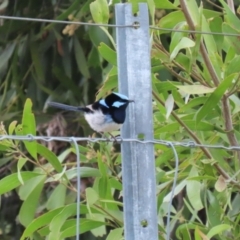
{"type": "Point", "coordinates": [131, 101]}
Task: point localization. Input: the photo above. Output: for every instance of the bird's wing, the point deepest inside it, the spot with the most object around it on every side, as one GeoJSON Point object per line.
{"type": "Point", "coordinates": [65, 107]}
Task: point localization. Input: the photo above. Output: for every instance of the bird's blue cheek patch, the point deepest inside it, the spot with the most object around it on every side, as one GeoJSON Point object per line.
{"type": "Point", "coordinates": [102, 102]}
{"type": "Point", "coordinates": [118, 104]}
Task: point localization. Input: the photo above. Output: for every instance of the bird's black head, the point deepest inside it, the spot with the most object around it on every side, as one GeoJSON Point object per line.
{"type": "Point", "coordinates": [116, 103]}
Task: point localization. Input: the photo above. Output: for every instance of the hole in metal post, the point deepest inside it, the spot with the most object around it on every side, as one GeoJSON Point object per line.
{"type": "Point", "coordinates": [135, 14]}
{"type": "Point", "coordinates": [141, 136]}
{"type": "Point", "coordinates": [136, 25]}
{"type": "Point", "coordinates": [144, 223]}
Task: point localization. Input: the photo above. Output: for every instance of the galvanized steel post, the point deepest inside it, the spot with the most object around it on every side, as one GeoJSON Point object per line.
{"type": "Point", "coordinates": [134, 74]}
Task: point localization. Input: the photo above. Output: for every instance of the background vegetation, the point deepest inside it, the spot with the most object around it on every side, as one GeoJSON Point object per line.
{"type": "Point", "coordinates": [195, 89]}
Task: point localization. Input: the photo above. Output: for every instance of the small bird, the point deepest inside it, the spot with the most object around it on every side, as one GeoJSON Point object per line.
{"type": "Point", "coordinates": [105, 115]}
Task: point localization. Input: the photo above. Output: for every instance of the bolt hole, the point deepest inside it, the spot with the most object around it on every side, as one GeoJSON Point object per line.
{"type": "Point", "coordinates": [136, 25]}
{"type": "Point", "coordinates": [144, 223]}
{"type": "Point", "coordinates": [135, 14]}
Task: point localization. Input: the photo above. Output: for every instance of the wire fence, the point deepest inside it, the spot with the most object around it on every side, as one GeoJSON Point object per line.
{"type": "Point", "coordinates": [170, 144]}
{"type": "Point", "coordinates": [133, 25]}
{"type": "Point", "coordinates": [74, 140]}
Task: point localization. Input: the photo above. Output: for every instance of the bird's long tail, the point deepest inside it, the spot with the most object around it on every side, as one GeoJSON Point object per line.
{"type": "Point", "coordinates": [66, 107]}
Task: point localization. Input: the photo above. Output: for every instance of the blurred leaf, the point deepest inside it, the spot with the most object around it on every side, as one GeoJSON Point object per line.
{"type": "Point", "coordinates": [34, 47]}
{"type": "Point", "coordinates": [11, 182]}
{"type": "Point", "coordinates": [91, 196]}
{"type": "Point", "coordinates": [221, 184]}
{"type": "Point", "coordinates": [231, 40]}
{"type": "Point", "coordinates": [80, 58]}
{"type": "Point", "coordinates": [108, 54]}
{"type": "Point", "coordinates": [232, 67]}
{"type": "Point", "coordinates": [99, 11]}
{"type": "Point", "coordinates": [169, 104]}
{"type": "Point", "coordinates": [29, 127]}
{"type": "Point", "coordinates": [215, 97]}
{"type": "Point", "coordinates": [164, 4]}
{"type": "Point", "coordinates": [12, 127]}
{"type": "Point", "coordinates": [57, 197]}
{"type": "Point", "coordinates": [171, 20]}
{"type": "Point", "coordinates": [214, 211]}
{"type": "Point", "coordinates": [20, 164]}
{"type": "Point", "coordinates": [6, 54]}
{"type": "Point", "coordinates": [85, 226]}
{"type": "Point", "coordinates": [194, 190]}
{"type": "Point", "coordinates": [115, 234]}
{"type": "Point", "coordinates": [50, 157]}
{"type": "Point", "coordinates": [84, 172]}
{"type": "Point", "coordinates": [29, 206]}
{"type": "Point", "coordinates": [195, 89]}
{"type": "Point", "coordinates": [184, 43]}
{"type": "Point", "coordinates": [218, 229]}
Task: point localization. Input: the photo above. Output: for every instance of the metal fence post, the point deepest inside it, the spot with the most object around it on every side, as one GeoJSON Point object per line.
{"type": "Point", "coordinates": [134, 74]}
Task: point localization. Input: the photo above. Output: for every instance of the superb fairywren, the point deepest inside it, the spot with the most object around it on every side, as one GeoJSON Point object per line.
{"type": "Point", "coordinates": [105, 115]}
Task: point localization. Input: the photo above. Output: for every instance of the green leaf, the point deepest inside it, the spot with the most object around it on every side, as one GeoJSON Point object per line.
{"type": "Point", "coordinates": [11, 182]}
{"type": "Point", "coordinates": [34, 48]}
{"type": "Point", "coordinates": [97, 36]}
{"type": "Point", "coordinates": [217, 230]}
{"type": "Point", "coordinates": [91, 196]}
{"type": "Point", "coordinates": [20, 164]}
{"type": "Point", "coordinates": [215, 97]}
{"type": "Point", "coordinates": [46, 218]}
{"type": "Point", "coordinates": [84, 172]}
{"type": "Point", "coordinates": [231, 40]}
{"type": "Point", "coordinates": [165, 86]}
{"type": "Point", "coordinates": [80, 58]}
{"type": "Point", "coordinates": [230, 16]}
{"type": "Point", "coordinates": [195, 89]}
{"type": "Point", "coordinates": [99, 11]}
{"type": "Point", "coordinates": [233, 66]}
{"type": "Point", "coordinates": [108, 54]}
{"type": "Point", "coordinates": [29, 186]}
{"type": "Point", "coordinates": [194, 190]}
{"type": "Point", "coordinates": [12, 127]}
{"type": "Point", "coordinates": [57, 197]}
{"type": "Point", "coordinates": [6, 54]}
{"type": "Point", "coordinates": [39, 222]}
{"type": "Point", "coordinates": [164, 4]}
{"type": "Point", "coordinates": [115, 234]}
{"type": "Point", "coordinates": [85, 226]}
{"type": "Point", "coordinates": [29, 127]}
{"type": "Point", "coordinates": [29, 206]}
{"type": "Point", "coordinates": [50, 157]}
{"type": "Point", "coordinates": [171, 20]}
{"type": "Point", "coordinates": [214, 211]}
{"type": "Point", "coordinates": [193, 10]}
{"type": "Point", "coordinates": [220, 184]}
{"type": "Point", "coordinates": [184, 43]}
{"type": "Point", "coordinates": [169, 104]}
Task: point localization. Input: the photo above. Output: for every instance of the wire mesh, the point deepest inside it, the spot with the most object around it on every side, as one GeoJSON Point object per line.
{"type": "Point", "coordinates": [170, 144]}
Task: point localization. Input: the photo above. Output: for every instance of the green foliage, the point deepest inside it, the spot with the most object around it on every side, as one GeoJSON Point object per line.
{"type": "Point", "coordinates": [195, 81]}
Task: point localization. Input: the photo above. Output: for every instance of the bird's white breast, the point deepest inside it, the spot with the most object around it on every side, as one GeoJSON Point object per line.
{"type": "Point", "coordinates": [100, 122]}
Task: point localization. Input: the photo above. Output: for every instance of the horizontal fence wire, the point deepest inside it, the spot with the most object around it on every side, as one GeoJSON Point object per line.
{"type": "Point", "coordinates": [134, 25]}
{"type": "Point", "coordinates": [170, 144]}
{"type": "Point", "coordinates": [186, 143]}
